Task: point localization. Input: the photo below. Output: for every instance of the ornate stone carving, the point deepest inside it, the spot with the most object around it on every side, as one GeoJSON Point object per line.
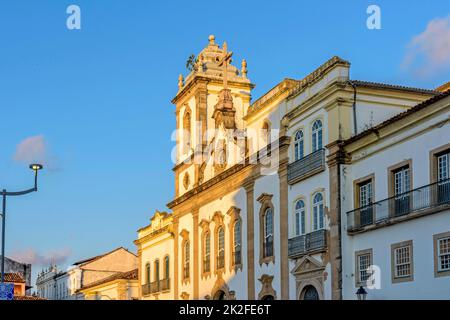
{"type": "Point", "coordinates": [267, 289]}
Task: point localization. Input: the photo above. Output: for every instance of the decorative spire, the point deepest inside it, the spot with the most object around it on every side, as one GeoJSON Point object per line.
{"type": "Point", "coordinates": [244, 68]}
{"type": "Point", "coordinates": [211, 39]}
{"type": "Point", "coordinates": [180, 82]}
{"type": "Point", "coordinates": [200, 62]}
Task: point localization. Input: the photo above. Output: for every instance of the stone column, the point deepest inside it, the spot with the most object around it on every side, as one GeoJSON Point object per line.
{"type": "Point", "coordinates": [336, 157]}
{"type": "Point", "coordinates": [196, 255]}
{"type": "Point", "coordinates": [140, 271]}
{"type": "Point", "coordinates": [249, 186]}
{"type": "Point", "coordinates": [176, 264]}
{"type": "Point", "coordinates": [284, 216]}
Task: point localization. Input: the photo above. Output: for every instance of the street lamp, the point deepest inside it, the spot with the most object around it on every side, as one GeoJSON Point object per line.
{"type": "Point", "coordinates": [361, 293]}
{"type": "Point", "coordinates": [35, 167]}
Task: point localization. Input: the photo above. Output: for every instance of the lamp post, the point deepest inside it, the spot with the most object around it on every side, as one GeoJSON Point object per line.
{"type": "Point", "coordinates": [361, 293]}
{"type": "Point", "coordinates": [35, 167]}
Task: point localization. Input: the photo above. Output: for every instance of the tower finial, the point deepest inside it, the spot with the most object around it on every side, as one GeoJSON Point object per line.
{"type": "Point", "coordinates": [212, 39]}
{"type": "Point", "coordinates": [180, 82]}
{"type": "Point", "coordinates": [244, 68]}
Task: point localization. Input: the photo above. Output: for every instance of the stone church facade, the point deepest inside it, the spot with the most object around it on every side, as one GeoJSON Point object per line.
{"type": "Point", "coordinates": [257, 206]}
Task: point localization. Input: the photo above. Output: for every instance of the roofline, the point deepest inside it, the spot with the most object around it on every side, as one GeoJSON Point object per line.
{"type": "Point", "coordinates": [397, 117]}
{"type": "Point", "coordinates": [379, 85]}
{"type": "Point", "coordinates": [112, 278]}
{"type": "Point", "coordinates": [82, 262]}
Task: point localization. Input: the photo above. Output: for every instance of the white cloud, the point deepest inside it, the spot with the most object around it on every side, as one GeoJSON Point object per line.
{"type": "Point", "coordinates": [35, 150]}
{"type": "Point", "coordinates": [429, 52]}
{"type": "Point", "coordinates": [32, 256]}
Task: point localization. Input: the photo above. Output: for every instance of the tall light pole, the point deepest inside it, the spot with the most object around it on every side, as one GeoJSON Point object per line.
{"type": "Point", "coordinates": [35, 167]}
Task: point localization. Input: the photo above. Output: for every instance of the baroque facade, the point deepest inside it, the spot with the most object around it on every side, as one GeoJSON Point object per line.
{"type": "Point", "coordinates": [260, 192]}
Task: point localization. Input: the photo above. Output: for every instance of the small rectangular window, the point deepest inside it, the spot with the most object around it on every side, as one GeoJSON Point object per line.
{"type": "Point", "coordinates": [363, 262]}
{"type": "Point", "coordinates": [402, 261]}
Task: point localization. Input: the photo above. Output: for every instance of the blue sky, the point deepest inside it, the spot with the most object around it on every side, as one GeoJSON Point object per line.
{"type": "Point", "coordinates": [100, 97]}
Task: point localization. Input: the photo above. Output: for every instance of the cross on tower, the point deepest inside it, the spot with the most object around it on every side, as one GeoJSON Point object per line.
{"type": "Point", "coordinates": [224, 61]}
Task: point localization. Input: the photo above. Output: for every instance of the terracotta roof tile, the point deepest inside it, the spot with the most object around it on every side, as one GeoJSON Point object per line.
{"type": "Point", "coordinates": [379, 85]}
{"type": "Point", "coordinates": [399, 116]}
{"type": "Point", "coordinates": [129, 275]}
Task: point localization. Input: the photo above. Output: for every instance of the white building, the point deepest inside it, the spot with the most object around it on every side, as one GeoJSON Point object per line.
{"type": "Point", "coordinates": [395, 187]}
{"type": "Point", "coordinates": [53, 284]}
{"type": "Point", "coordinates": [251, 222]}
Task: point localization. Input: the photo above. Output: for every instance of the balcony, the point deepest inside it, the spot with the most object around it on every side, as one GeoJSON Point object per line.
{"type": "Point", "coordinates": [146, 289]}
{"type": "Point", "coordinates": [421, 201]}
{"type": "Point", "coordinates": [307, 243]}
{"type": "Point", "coordinates": [156, 286]}
{"type": "Point", "coordinates": [306, 166]}
{"type": "Point", "coordinates": [165, 284]}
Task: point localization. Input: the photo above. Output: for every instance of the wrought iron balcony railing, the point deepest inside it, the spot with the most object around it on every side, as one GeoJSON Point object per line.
{"type": "Point", "coordinates": [146, 289]}
{"type": "Point", "coordinates": [307, 243]}
{"type": "Point", "coordinates": [432, 196]}
{"type": "Point", "coordinates": [306, 166]}
{"type": "Point", "coordinates": [164, 284]}
{"type": "Point", "coordinates": [156, 286]}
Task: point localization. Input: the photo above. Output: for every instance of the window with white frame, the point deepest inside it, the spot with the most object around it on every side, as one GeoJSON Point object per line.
{"type": "Point", "coordinates": [318, 215]}
{"type": "Point", "coordinates": [365, 193]}
{"type": "Point", "coordinates": [317, 135]}
{"type": "Point", "coordinates": [300, 218]}
{"type": "Point", "coordinates": [402, 262]}
{"type": "Point", "coordinates": [237, 243]}
{"type": "Point", "coordinates": [186, 260]}
{"type": "Point", "coordinates": [207, 253]}
{"type": "Point", "coordinates": [443, 254]}
{"type": "Point", "coordinates": [299, 145]}
{"type": "Point", "coordinates": [268, 233]}
{"type": "Point", "coordinates": [444, 166]}
{"type": "Point", "coordinates": [402, 180]}
{"type": "Point", "coordinates": [221, 235]}
{"type": "Point", "coordinates": [363, 262]}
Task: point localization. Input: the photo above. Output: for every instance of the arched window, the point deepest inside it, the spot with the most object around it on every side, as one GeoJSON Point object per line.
{"type": "Point", "coordinates": [318, 211]}
{"type": "Point", "coordinates": [186, 259]}
{"type": "Point", "coordinates": [300, 218]}
{"type": "Point", "coordinates": [221, 248]}
{"type": "Point", "coordinates": [186, 131]}
{"type": "Point", "coordinates": [237, 243]}
{"type": "Point", "coordinates": [166, 267]}
{"type": "Point", "coordinates": [299, 145]}
{"type": "Point", "coordinates": [206, 252]}
{"type": "Point", "coordinates": [147, 273]}
{"type": "Point", "coordinates": [268, 233]}
{"type": "Point", "coordinates": [317, 135]}
{"type": "Point", "coordinates": [156, 270]}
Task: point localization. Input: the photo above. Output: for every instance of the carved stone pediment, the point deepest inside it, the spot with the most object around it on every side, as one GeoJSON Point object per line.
{"type": "Point", "coordinates": [307, 265]}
